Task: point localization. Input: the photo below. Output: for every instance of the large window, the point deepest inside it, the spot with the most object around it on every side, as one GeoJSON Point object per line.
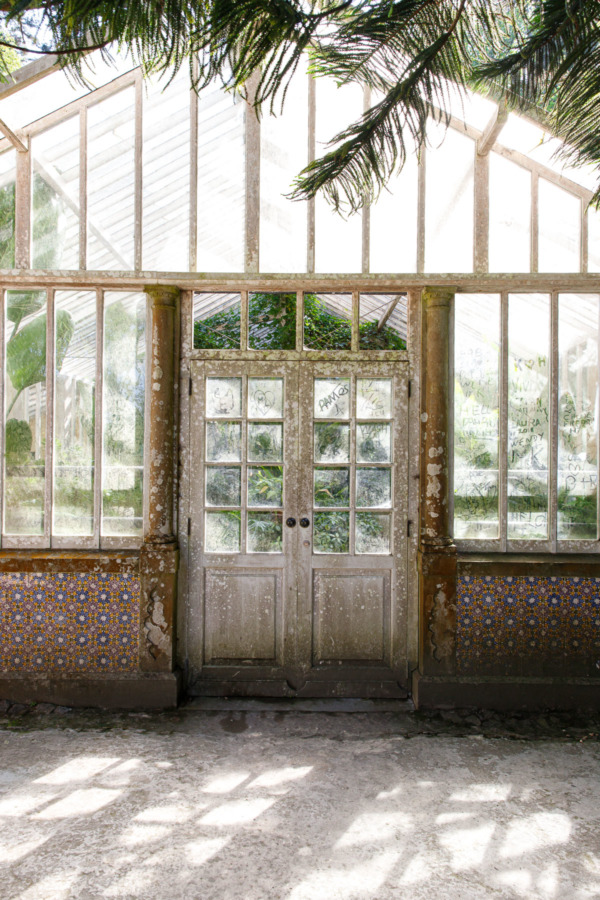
{"type": "Point", "coordinates": [526, 421]}
{"type": "Point", "coordinates": [74, 388]}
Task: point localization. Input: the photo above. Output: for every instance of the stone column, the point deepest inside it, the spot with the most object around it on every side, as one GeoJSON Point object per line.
{"type": "Point", "coordinates": [437, 554]}
{"type": "Point", "coordinates": [159, 553]}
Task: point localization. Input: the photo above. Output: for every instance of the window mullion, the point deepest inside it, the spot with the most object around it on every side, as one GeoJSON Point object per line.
{"type": "Point", "coordinates": [98, 416]}
{"type": "Point", "coordinates": [553, 421]}
{"type": "Point", "coordinates": [2, 403]}
{"type": "Point", "coordinates": [503, 398]}
{"type": "Point", "coordinates": [49, 454]}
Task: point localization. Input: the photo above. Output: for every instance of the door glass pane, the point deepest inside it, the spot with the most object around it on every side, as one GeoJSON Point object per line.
{"type": "Point", "coordinates": [373, 442]}
{"type": "Point", "coordinates": [217, 319]}
{"type": "Point", "coordinates": [332, 442]}
{"type": "Point", "coordinates": [332, 398]}
{"type": "Point", "coordinates": [328, 321]}
{"type": "Point", "coordinates": [374, 487]}
{"type": "Point", "coordinates": [383, 322]}
{"type": "Point", "coordinates": [222, 532]}
{"type": "Point", "coordinates": [577, 416]}
{"type": "Point", "coordinates": [265, 486]}
{"type": "Point", "coordinates": [74, 412]}
{"type": "Point", "coordinates": [528, 416]}
{"type": "Point", "coordinates": [332, 487]}
{"type": "Point", "coordinates": [223, 486]}
{"type": "Point", "coordinates": [25, 435]}
{"type": "Point", "coordinates": [265, 398]}
{"type": "Point", "coordinates": [265, 442]}
{"type": "Point", "coordinates": [373, 398]}
{"type": "Point", "coordinates": [265, 532]}
{"type": "Point", "coordinates": [224, 397]}
{"type": "Point", "coordinates": [373, 532]}
{"type": "Point", "coordinates": [272, 321]}
{"type": "Point", "coordinates": [331, 532]}
{"type": "Point", "coordinates": [223, 442]}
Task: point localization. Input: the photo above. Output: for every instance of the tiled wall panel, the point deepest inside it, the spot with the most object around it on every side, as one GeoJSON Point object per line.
{"type": "Point", "coordinates": [68, 623]}
{"type": "Point", "coordinates": [528, 625]}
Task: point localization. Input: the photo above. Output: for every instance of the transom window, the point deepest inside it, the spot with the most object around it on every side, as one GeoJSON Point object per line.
{"type": "Point", "coordinates": [526, 420]}
{"type": "Point", "coordinates": [73, 394]}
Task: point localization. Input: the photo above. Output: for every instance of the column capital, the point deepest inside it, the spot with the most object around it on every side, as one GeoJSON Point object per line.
{"type": "Point", "coordinates": [163, 294]}
{"type": "Point", "coordinates": [438, 295]}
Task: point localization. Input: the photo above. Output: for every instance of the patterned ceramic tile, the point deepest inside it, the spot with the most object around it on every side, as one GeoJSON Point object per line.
{"type": "Point", "coordinates": [69, 623]}
{"type": "Point", "coordinates": [528, 625]}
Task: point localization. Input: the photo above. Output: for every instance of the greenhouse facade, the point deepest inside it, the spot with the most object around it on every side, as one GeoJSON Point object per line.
{"type": "Point", "coordinates": [251, 447]}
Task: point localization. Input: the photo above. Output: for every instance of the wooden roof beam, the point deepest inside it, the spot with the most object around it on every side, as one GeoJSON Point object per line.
{"type": "Point", "coordinates": [492, 130]}
{"type": "Point", "coordinates": [13, 138]}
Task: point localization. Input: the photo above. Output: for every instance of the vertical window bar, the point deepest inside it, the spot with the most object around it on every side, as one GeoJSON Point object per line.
{"type": "Point", "coordinates": [244, 468]}
{"type": "Point", "coordinates": [584, 229]}
{"type": "Point", "coordinates": [2, 403]}
{"type": "Point", "coordinates": [23, 213]}
{"type": "Point", "coordinates": [352, 466]}
{"type": "Point", "coordinates": [451, 380]}
{"type": "Point", "coordinates": [481, 206]}
{"type": "Point", "coordinates": [597, 453]}
{"type": "Point", "coordinates": [83, 187]}
{"type": "Point", "coordinates": [49, 454]}
{"type": "Point", "coordinates": [139, 143]}
{"type": "Point", "coordinates": [366, 211]}
{"type": "Point", "coordinates": [299, 320]}
{"type": "Point", "coordinates": [553, 423]}
{"type": "Point", "coordinates": [355, 339]}
{"type": "Point", "coordinates": [98, 416]}
{"type": "Point", "coordinates": [421, 209]}
{"type": "Point", "coordinates": [193, 260]}
{"type": "Point", "coordinates": [535, 233]}
{"type": "Point", "coordinates": [312, 118]}
{"type": "Point", "coordinates": [503, 400]}
{"type": "Point", "coordinates": [252, 149]}
{"type": "Point", "coordinates": [244, 320]}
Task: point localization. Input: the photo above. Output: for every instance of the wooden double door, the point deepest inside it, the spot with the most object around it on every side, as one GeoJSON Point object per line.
{"type": "Point", "coordinates": [298, 524]}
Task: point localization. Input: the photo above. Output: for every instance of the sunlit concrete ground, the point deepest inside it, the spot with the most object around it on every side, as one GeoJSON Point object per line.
{"type": "Point", "coordinates": [298, 805]}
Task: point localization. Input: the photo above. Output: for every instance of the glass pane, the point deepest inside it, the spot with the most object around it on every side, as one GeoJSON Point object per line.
{"type": "Point", "coordinates": [74, 412]}
{"type": "Point", "coordinates": [265, 486]}
{"type": "Point", "coordinates": [510, 216]}
{"type": "Point", "coordinates": [373, 532]}
{"type": "Point", "coordinates": [559, 218]}
{"type": "Point", "coordinates": [593, 217]}
{"type": "Point", "coordinates": [383, 322]}
{"type": "Point", "coordinates": [265, 442]}
{"type": "Point", "coordinates": [222, 532]}
{"type": "Point", "coordinates": [373, 443]}
{"type": "Point", "coordinates": [528, 416]}
{"type": "Point", "coordinates": [8, 178]}
{"type": "Point", "coordinates": [476, 415]}
{"type": "Point", "coordinates": [328, 321]}
{"type": "Point", "coordinates": [373, 398]}
{"type": "Point", "coordinates": [217, 320]}
{"type": "Point", "coordinates": [393, 217]}
{"type": "Point", "coordinates": [25, 435]}
{"type": "Point", "coordinates": [338, 239]}
{"type": "Point", "coordinates": [223, 486]}
{"type": "Point", "coordinates": [272, 321]}
{"type": "Point", "coordinates": [374, 487]}
{"type": "Point", "coordinates": [577, 416]}
{"type": "Point", "coordinates": [223, 441]}
{"type": "Point", "coordinates": [265, 398]}
{"type": "Point", "coordinates": [166, 169]}
{"type": "Point", "coordinates": [331, 532]}
{"type": "Point", "coordinates": [123, 401]}
{"type": "Point", "coordinates": [332, 487]}
{"type": "Point", "coordinates": [332, 442]}
{"type": "Point", "coordinates": [223, 397]}
{"type": "Point", "coordinates": [449, 201]}
{"type": "Point", "coordinates": [284, 153]}
{"type": "Point", "coordinates": [55, 238]}
{"type": "Point", "coordinates": [264, 532]}
{"type": "Point", "coordinates": [332, 398]}
{"type": "Point", "coordinates": [221, 181]}
{"type": "Point", "coordinates": [111, 181]}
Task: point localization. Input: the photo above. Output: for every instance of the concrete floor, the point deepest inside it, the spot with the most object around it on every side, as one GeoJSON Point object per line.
{"type": "Point", "coordinates": [239, 803]}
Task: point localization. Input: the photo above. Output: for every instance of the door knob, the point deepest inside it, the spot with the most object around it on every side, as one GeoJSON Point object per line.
{"type": "Point", "coordinates": [290, 522]}
{"type": "Point", "coordinates": [304, 523]}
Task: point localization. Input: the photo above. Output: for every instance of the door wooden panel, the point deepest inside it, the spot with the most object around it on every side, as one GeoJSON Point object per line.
{"type": "Point", "coordinates": [350, 613]}
{"type": "Point", "coordinates": [240, 616]}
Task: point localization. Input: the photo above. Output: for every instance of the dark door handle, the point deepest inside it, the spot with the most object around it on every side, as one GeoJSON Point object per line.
{"type": "Point", "coordinates": [304, 523]}
{"type": "Point", "coordinates": [290, 522]}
